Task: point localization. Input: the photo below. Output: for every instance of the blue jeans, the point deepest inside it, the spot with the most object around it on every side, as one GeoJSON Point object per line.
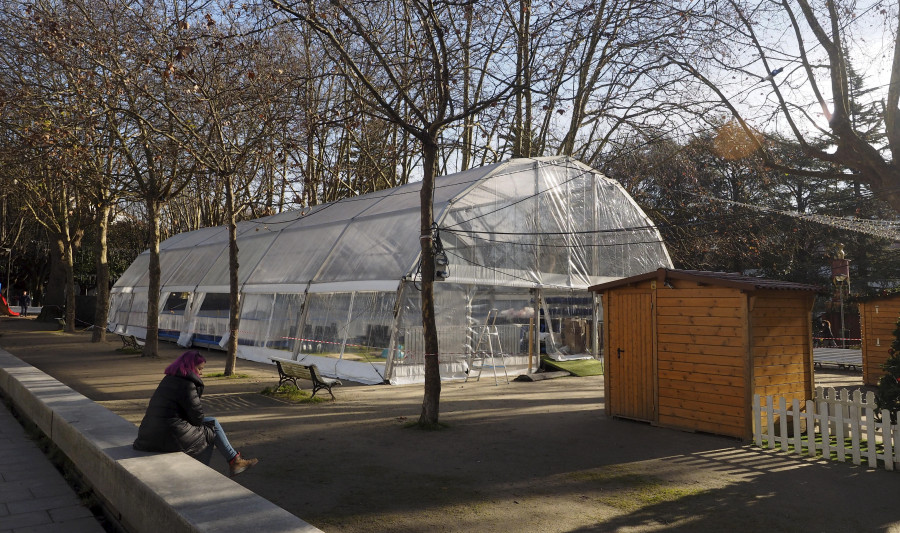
{"type": "Point", "coordinates": [221, 440]}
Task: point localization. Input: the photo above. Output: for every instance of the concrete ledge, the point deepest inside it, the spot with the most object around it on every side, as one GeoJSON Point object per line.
{"type": "Point", "coordinates": [146, 492]}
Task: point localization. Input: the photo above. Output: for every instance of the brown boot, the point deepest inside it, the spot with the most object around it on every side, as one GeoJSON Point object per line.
{"type": "Point", "coordinates": [239, 464]}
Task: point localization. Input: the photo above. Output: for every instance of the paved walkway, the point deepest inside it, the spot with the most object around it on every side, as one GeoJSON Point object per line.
{"type": "Point", "coordinates": [34, 496]}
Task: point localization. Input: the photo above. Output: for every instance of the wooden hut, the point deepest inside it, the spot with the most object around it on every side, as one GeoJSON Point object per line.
{"type": "Point", "coordinates": [689, 349]}
{"type": "Point", "coordinates": [878, 319]}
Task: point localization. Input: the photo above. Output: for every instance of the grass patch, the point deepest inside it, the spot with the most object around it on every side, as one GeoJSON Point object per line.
{"type": "Point", "coordinates": [222, 375]}
{"type": "Point", "coordinates": [370, 357]}
{"type": "Point", "coordinates": [426, 426]}
{"type": "Point", "coordinates": [357, 353]}
{"type": "Point", "coordinates": [292, 394]}
{"type": "Point", "coordinates": [130, 351]}
{"type": "Point", "coordinates": [580, 368]}
{"type": "Point", "coordinates": [630, 491]}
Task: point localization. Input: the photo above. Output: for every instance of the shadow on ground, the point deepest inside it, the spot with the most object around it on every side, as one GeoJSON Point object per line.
{"type": "Point", "coordinates": [527, 456]}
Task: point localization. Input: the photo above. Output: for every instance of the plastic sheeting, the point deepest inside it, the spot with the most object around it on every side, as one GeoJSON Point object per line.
{"type": "Point", "coordinates": [336, 284]}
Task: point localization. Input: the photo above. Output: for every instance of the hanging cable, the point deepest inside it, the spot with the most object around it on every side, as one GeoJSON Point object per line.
{"type": "Point", "coordinates": [441, 264]}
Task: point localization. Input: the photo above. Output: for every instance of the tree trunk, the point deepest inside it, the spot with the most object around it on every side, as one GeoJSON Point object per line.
{"type": "Point", "coordinates": [431, 401]}
{"type": "Point", "coordinates": [151, 344]}
{"type": "Point", "coordinates": [526, 148]}
{"type": "Point", "coordinates": [68, 267]}
{"type": "Point", "coordinates": [55, 295]}
{"type": "Point", "coordinates": [468, 131]}
{"type": "Point", "coordinates": [68, 263]}
{"type": "Point", "coordinates": [234, 301]}
{"type": "Point", "coordinates": [522, 121]}
{"type": "Point", "coordinates": [101, 310]}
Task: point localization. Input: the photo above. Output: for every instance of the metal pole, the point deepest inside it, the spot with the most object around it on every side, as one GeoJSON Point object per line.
{"type": "Point", "coordinates": [843, 336]}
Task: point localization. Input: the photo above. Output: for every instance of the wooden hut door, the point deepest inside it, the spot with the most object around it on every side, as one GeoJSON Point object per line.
{"type": "Point", "coordinates": [630, 365]}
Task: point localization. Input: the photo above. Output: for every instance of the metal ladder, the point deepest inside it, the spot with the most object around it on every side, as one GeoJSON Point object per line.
{"type": "Point", "coordinates": [484, 353]}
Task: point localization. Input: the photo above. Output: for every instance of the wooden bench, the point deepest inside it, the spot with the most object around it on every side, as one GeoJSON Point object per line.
{"type": "Point", "coordinates": [130, 341]}
{"type": "Point", "coordinates": [291, 371]}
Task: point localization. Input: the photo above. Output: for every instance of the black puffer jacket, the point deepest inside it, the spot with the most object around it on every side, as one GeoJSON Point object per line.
{"type": "Point", "coordinates": [174, 418]}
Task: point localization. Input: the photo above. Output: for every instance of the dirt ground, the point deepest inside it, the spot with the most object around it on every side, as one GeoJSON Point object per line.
{"type": "Point", "coordinates": [527, 456]}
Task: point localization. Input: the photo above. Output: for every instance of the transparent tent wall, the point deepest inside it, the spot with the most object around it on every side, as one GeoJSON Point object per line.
{"type": "Point", "coordinates": [507, 312]}
{"type": "Point", "coordinates": [119, 307]}
{"type": "Point", "coordinates": [171, 318]}
{"type": "Point", "coordinates": [269, 325]}
{"type": "Point", "coordinates": [567, 325]}
{"type": "Point", "coordinates": [461, 313]}
{"type": "Point", "coordinates": [352, 327]}
{"type": "Point", "coordinates": [136, 318]}
{"type": "Point", "coordinates": [209, 323]}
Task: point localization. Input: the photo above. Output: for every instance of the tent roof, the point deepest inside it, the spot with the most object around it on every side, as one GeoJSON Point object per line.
{"type": "Point", "coordinates": [505, 223]}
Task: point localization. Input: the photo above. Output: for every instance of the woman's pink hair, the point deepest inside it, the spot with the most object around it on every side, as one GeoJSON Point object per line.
{"type": "Point", "coordinates": [186, 363]}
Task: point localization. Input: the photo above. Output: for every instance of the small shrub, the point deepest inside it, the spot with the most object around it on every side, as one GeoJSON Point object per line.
{"type": "Point", "coordinates": [129, 351]}
{"type": "Point", "coordinates": [292, 394]}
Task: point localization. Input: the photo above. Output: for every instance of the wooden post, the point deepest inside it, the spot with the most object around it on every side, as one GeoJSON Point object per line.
{"type": "Point", "coordinates": [530, 343]}
{"type": "Point", "coordinates": [749, 375]}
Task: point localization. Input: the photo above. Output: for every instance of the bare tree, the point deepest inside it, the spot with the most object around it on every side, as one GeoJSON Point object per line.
{"type": "Point", "coordinates": [53, 125]}
{"type": "Point", "coordinates": [405, 59]}
{"type": "Point", "coordinates": [236, 75]}
{"type": "Point", "coordinates": [788, 67]}
{"type": "Point", "coordinates": [129, 51]}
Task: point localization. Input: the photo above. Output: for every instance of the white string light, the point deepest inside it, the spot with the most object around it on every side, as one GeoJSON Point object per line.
{"type": "Point", "coordinates": [886, 229]}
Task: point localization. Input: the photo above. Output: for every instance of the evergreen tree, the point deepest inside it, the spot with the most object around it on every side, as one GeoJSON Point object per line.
{"type": "Point", "coordinates": [888, 394]}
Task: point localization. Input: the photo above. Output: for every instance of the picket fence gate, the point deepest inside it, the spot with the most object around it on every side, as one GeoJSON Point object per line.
{"type": "Point", "coordinates": [840, 415]}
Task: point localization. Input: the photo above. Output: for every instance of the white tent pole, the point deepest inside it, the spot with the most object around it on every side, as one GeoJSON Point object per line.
{"type": "Point", "coordinates": [347, 322]}
{"type": "Point", "coordinates": [301, 320]}
{"type": "Point", "coordinates": [595, 327]}
{"type": "Point", "coordinates": [395, 331]}
{"type": "Point", "coordinates": [128, 314]}
{"type": "Point", "coordinates": [266, 337]}
{"type": "Point", "coordinates": [538, 295]}
{"type": "Point", "coordinates": [186, 321]}
{"type": "Point", "coordinates": [569, 229]}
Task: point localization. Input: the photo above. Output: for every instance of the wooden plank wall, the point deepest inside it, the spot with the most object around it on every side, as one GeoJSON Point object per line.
{"type": "Point", "coordinates": [701, 358]}
{"type": "Point", "coordinates": [781, 337]}
{"type": "Point", "coordinates": [630, 391]}
{"type": "Point", "coordinates": [879, 320]}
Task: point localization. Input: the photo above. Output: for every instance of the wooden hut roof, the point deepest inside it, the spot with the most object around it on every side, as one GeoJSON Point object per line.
{"type": "Point", "coordinates": [727, 279]}
{"type": "Point", "coordinates": [886, 294]}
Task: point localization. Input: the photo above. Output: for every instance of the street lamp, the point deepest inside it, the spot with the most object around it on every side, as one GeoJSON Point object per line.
{"type": "Point", "coordinates": [840, 276]}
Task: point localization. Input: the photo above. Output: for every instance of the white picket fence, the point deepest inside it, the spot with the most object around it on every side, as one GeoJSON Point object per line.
{"type": "Point", "coordinates": [829, 415]}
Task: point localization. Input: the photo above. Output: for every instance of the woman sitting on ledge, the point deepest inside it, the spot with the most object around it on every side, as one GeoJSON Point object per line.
{"type": "Point", "coordinates": [174, 420]}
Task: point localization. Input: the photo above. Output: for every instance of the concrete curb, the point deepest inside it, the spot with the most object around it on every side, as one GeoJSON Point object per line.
{"type": "Point", "coordinates": [145, 492]}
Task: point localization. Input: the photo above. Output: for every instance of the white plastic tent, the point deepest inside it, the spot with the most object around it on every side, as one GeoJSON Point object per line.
{"type": "Point", "coordinates": [336, 284]}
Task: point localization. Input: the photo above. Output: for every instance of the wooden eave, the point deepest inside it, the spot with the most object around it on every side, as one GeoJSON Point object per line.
{"type": "Point", "coordinates": [725, 279]}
